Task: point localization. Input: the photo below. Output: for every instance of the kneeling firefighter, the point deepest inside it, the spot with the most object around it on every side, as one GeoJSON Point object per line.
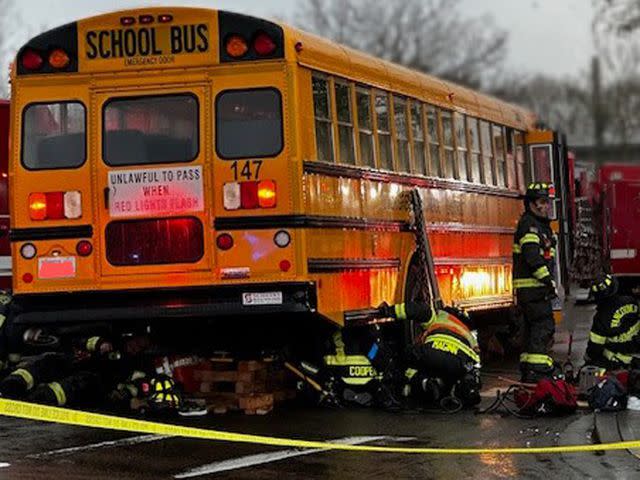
{"type": "Point", "coordinates": [360, 369]}
{"type": "Point", "coordinates": [615, 333]}
{"type": "Point", "coordinates": [444, 363]}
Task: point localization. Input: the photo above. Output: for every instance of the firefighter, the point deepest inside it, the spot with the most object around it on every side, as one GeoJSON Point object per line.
{"type": "Point", "coordinates": [533, 257]}
{"type": "Point", "coordinates": [444, 363]}
{"type": "Point", "coordinates": [359, 369]}
{"type": "Point", "coordinates": [614, 333]}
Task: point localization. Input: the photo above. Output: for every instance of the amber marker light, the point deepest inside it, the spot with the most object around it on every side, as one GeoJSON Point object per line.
{"type": "Point", "coordinates": [267, 194]}
{"type": "Point", "coordinates": [236, 46]}
{"type": "Point", "coordinates": [58, 58]}
{"type": "Point", "coordinates": [37, 206]}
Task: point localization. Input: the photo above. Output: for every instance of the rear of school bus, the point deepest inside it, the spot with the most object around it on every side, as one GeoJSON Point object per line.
{"type": "Point", "coordinates": [152, 150]}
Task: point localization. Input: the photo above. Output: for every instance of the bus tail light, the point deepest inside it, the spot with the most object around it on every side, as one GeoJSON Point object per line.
{"type": "Point", "coordinates": [249, 195]}
{"type": "Point", "coordinates": [231, 196]}
{"type": "Point", "coordinates": [224, 241]}
{"type": "Point", "coordinates": [59, 59]}
{"type": "Point", "coordinates": [72, 204]}
{"type": "Point", "coordinates": [267, 194]}
{"type": "Point", "coordinates": [37, 206]}
{"type": "Point", "coordinates": [236, 46]}
{"type": "Point", "coordinates": [84, 248]}
{"type": "Point", "coordinates": [31, 60]}
{"type": "Point", "coordinates": [263, 44]}
{"type": "Point", "coordinates": [55, 205]}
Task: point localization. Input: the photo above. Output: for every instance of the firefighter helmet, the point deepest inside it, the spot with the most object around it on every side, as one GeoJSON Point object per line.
{"type": "Point", "coordinates": [604, 287]}
{"type": "Point", "coordinates": [540, 190]}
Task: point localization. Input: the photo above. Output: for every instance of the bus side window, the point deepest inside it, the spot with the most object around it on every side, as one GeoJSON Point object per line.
{"type": "Point", "coordinates": [487, 152]}
{"type": "Point", "coordinates": [474, 145]}
{"type": "Point", "coordinates": [434, 141]}
{"type": "Point", "coordinates": [402, 134]}
{"type": "Point", "coordinates": [345, 123]}
{"type": "Point", "coordinates": [461, 144]}
{"type": "Point", "coordinates": [498, 137]}
{"type": "Point", "coordinates": [417, 137]}
{"type": "Point", "coordinates": [447, 142]}
{"type": "Point", "coordinates": [322, 113]}
{"type": "Point", "coordinates": [512, 180]}
{"type": "Point", "coordinates": [385, 152]}
{"type": "Point", "coordinates": [365, 127]}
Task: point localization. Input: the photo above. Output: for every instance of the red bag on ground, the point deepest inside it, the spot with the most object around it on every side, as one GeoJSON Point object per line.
{"type": "Point", "coordinates": [548, 397]}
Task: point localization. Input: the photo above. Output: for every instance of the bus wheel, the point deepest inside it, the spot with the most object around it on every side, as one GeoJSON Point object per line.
{"type": "Point", "coordinates": [415, 290]}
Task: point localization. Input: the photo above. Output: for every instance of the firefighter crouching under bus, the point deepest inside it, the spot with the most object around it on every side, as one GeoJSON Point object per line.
{"type": "Point", "coordinates": [613, 339]}
{"type": "Point", "coordinates": [533, 257]}
{"type": "Point", "coordinates": [444, 363]}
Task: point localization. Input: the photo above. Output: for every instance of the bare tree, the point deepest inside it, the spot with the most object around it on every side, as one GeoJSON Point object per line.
{"type": "Point", "coordinates": [432, 36]}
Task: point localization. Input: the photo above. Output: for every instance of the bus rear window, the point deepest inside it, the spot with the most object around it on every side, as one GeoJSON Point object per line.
{"type": "Point", "coordinates": [249, 123]}
{"type": "Point", "coordinates": [148, 130]}
{"type": "Point", "coordinates": [54, 136]}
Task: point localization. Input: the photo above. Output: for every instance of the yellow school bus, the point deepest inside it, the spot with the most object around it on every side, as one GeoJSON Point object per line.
{"type": "Point", "coordinates": [176, 162]}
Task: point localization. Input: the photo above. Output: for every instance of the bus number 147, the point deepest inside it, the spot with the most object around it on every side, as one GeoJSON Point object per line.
{"type": "Point", "coordinates": [249, 170]}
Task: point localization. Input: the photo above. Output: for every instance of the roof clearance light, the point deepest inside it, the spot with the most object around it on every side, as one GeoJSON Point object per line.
{"type": "Point", "coordinates": [165, 18]}
{"type": "Point", "coordinates": [37, 206]}
{"type": "Point", "coordinates": [267, 194]}
{"type": "Point", "coordinates": [231, 196]}
{"type": "Point", "coordinates": [32, 60]}
{"type": "Point", "coordinates": [263, 44]}
{"type": "Point", "coordinates": [236, 46]}
{"type": "Point", "coordinates": [145, 19]}
{"type": "Point", "coordinates": [127, 21]}
{"type": "Point", "coordinates": [58, 58]}
{"type": "Point", "coordinates": [72, 204]}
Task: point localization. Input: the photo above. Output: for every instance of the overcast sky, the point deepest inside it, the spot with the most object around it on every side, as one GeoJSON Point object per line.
{"type": "Point", "coordinates": [545, 36]}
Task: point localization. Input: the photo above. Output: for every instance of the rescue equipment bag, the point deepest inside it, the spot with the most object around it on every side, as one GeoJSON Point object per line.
{"type": "Point", "coordinates": [548, 397]}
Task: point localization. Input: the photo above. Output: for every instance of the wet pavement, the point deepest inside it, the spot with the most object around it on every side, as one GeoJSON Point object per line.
{"type": "Point", "coordinates": [32, 450]}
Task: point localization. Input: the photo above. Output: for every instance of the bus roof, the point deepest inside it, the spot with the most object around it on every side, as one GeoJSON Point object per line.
{"type": "Point", "coordinates": [81, 40]}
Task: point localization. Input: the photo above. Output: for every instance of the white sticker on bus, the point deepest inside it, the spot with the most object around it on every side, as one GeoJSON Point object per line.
{"type": "Point", "coordinates": [157, 191]}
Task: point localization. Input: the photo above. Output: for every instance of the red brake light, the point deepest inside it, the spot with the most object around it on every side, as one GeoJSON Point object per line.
{"type": "Point", "coordinates": [84, 248]}
{"type": "Point", "coordinates": [263, 44]}
{"type": "Point", "coordinates": [267, 194]}
{"type": "Point", "coordinates": [224, 241]}
{"type": "Point", "coordinates": [249, 195]}
{"type": "Point", "coordinates": [55, 205]}
{"type": "Point", "coordinates": [32, 60]}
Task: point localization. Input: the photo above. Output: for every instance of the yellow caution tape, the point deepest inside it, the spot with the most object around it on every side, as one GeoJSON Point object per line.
{"type": "Point", "coordinates": [30, 411]}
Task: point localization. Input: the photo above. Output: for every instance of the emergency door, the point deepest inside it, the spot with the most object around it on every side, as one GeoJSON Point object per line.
{"type": "Point", "coordinates": [547, 162]}
{"type": "Point", "coordinates": [151, 183]}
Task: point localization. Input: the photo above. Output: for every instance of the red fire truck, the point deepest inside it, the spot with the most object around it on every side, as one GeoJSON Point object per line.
{"type": "Point", "coordinates": [5, 251]}
{"type": "Point", "coordinates": [619, 192]}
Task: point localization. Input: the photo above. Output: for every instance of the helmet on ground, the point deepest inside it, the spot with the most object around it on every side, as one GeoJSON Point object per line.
{"type": "Point", "coordinates": [540, 190]}
{"type": "Point", "coordinates": [164, 394]}
{"type": "Point", "coordinates": [461, 315]}
{"type": "Point", "coordinates": [604, 287]}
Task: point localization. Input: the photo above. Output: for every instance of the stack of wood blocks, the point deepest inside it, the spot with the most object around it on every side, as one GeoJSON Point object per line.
{"type": "Point", "coordinates": [254, 387]}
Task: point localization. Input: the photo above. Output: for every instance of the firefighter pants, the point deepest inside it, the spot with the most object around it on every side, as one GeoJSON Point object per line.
{"type": "Point", "coordinates": [434, 363]}
{"type": "Point", "coordinates": [539, 329]}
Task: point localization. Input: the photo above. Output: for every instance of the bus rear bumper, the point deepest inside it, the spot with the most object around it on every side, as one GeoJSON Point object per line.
{"type": "Point", "coordinates": [194, 302]}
